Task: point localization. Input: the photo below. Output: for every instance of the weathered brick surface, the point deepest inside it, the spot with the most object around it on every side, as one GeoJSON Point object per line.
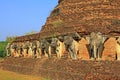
{"type": "Point", "coordinates": [109, 52]}
{"type": "Point", "coordinates": [62, 69]}
{"type": "Point", "coordinates": [83, 16]}
{"type": "Point", "coordinates": [83, 51]}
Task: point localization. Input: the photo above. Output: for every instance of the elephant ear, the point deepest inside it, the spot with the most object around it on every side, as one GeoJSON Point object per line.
{"type": "Point", "coordinates": [76, 36]}
{"type": "Point", "coordinates": [88, 39]}
{"type": "Point", "coordinates": [68, 40]}
{"type": "Point", "coordinates": [104, 39]}
{"type": "Point", "coordinates": [118, 40]}
{"type": "Point", "coordinates": [61, 38]}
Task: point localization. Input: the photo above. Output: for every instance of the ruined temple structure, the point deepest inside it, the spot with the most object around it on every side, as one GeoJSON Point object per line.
{"type": "Point", "coordinates": [82, 30]}
{"type": "Point", "coordinates": [89, 29]}
{"type": "Point", "coordinates": [84, 17]}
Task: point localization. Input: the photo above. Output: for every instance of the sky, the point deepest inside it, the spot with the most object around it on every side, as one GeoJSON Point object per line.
{"type": "Point", "coordinates": [18, 17]}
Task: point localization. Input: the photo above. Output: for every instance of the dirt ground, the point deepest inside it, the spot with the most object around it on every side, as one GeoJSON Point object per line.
{"type": "Point", "coordinates": [64, 69]}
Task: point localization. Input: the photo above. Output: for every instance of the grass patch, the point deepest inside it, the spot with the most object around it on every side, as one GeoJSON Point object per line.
{"type": "Point", "coordinates": [7, 75]}
{"type": "Point", "coordinates": [115, 22]}
{"type": "Point", "coordinates": [57, 23]}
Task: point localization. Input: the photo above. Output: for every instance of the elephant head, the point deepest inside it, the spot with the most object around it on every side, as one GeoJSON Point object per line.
{"type": "Point", "coordinates": [54, 42]}
{"type": "Point", "coordinates": [96, 44]}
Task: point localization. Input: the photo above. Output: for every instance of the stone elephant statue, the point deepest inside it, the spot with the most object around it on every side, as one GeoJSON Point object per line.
{"type": "Point", "coordinates": [14, 50]}
{"type": "Point", "coordinates": [96, 45]}
{"type": "Point", "coordinates": [72, 45]}
{"type": "Point", "coordinates": [36, 49]}
{"type": "Point", "coordinates": [28, 50]}
{"type": "Point", "coordinates": [45, 47]}
{"type": "Point", "coordinates": [58, 45]}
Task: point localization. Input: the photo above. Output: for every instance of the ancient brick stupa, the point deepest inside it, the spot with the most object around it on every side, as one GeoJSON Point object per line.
{"type": "Point", "coordinates": [83, 16]}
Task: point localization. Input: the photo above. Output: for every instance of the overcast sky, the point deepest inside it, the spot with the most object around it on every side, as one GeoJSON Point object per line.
{"type": "Point", "coordinates": [18, 17]}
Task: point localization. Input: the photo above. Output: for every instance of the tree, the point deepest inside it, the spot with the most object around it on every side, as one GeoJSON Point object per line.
{"type": "Point", "coordinates": [3, 45]}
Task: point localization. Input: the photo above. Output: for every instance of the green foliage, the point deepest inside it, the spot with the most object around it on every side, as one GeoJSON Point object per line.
{"type": "Point", "coordinates": [3, 49]}
{"type": "Point", "coordinates": [116, 22]}
{"type": "Point", "coordinates": [10, 38]}
{"type": "Point", "coordinates": [57, 23]}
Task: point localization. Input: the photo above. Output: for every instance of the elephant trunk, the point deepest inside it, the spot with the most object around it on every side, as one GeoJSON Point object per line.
{"type": "Point", "coordinates": [95, 52]}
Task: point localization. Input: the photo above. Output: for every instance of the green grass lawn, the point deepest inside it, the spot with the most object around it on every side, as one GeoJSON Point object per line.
{"type": "Point", "coordinates": [7, 75]}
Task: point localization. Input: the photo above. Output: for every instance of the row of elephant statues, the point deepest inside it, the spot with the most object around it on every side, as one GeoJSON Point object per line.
{"type": "Point", "coordinates": [59, 45]}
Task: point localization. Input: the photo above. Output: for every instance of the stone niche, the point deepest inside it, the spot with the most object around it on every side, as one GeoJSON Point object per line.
{"type": "Point", "coordinates": [83, 51]}
{"type": "Point", "coordinates": [109, 52]}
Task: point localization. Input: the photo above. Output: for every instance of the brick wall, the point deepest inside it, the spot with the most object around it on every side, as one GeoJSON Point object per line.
{"type": "Point", "coordinates": [83, 51]}
{"type": "Point", "coordinates": [109, 52]}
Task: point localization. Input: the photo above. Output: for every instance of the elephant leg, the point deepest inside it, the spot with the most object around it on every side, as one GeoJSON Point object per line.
{"type": "Point", "coordinates": [72, 53]}
{"type": "Point", "coordinates": [75, 54]}
{"type": "Point", "coordinates": [19, 53]}
{"type": "Point", "coordinates": [38, 53]}
{"type": "Point", "coordinates": [41, 52]}
{"type": "Point", "coordinates": [100, 51]}
{"type": "Point", "coordinates": [46, 54]}
{"type": "Point", "coordinates": [35, 53]}
{"type": "Point", "coordinates": [58, 50]}
{"type": "Point", "coordinates": [49, 51]}
{"type": "Point", "coordinates": [118, 52]}
{"type": "Point", "coordinates": [16, 53]}
{"type": "Point", "coordinates": [91, 53]}
{"type": "Point", "coordinates": [58, 53]}
{"type": "Point", "coordinates": [25, 53]}
{"type": "Point", "coordinates": [30, 53]}
{"type": "Point", "coordinates": [74, 49]}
